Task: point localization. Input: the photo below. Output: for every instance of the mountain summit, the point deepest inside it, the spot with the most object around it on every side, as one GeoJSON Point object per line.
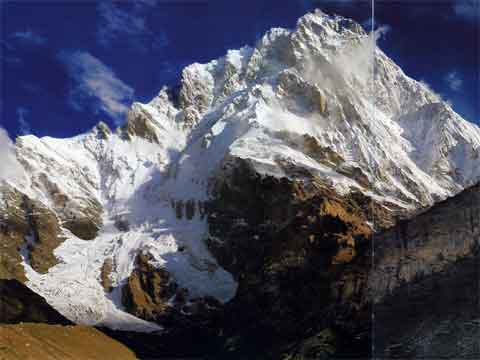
{"type": "Point", "coordinates": [115, 226]}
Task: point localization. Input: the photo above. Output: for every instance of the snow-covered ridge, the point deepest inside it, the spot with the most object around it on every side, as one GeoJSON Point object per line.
{"type": "Point", "coordinates": [255, 104]}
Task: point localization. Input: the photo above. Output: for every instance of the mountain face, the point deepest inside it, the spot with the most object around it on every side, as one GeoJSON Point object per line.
{"type": "Point", "coordinates": [269, 163]}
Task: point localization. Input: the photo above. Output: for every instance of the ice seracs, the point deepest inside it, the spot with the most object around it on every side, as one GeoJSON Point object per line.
{"type": "Point", "coordinates": [303, 103]}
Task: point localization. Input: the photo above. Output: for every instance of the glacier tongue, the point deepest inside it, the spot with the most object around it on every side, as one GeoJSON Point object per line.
{"type": "Point", "coordinates": [301, 99]}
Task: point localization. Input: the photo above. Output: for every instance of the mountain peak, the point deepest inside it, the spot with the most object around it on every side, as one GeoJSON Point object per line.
{"type": "Point", "coordinates": [296, 109]}
{"type": "Point", "coordinates": [335, 22]}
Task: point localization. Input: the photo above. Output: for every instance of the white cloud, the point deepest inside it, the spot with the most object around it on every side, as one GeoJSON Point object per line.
{"type": "Point", "coordinates": [357, 61]}
{"type": "Point", "coordinates": [10, 168]}
{"type": "Point", "coordinates": [29, 37]}
{"type": "Point", "coordinates": [427, 86]}
{"type": "Point", "coordinates": [126, 21]}
{"type": "Point", "coordinates": [354, 61]}
{"type": "Point", "coordinates": [24, 125]}
{"type": "Point", "coordinates": [454, 81]}
{"type": "Point", "coordinates": [96, 81]}
{"type": "Point", "coordinates": [439, 96]}
{"type": "Point", "coordinates": [380, 29]}
{"type": "Point", "coordinates": [468, 9]}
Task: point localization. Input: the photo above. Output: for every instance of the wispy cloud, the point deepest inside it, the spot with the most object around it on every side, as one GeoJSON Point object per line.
{"type": "Point", "coordinates": [430, 88]}
{"type": "Point", "coordinates": [97, 83]}
{"type": "Point", "coordinates": [29, 37]}
{"type": "Point", "coordinates": [12, 170]}
{"type": "Point", "coordinates": [467, 9]}
{"type": "Point", "coordinates": [454, 81]}
{"type": "Point", "coordinates": [8, 51]}
{"type": "Point", "coordinates": [380, 29]}
{"type": "Point", "coordinates": [127, 21]}
{"type": "Point", "coordinates": [23, 125]}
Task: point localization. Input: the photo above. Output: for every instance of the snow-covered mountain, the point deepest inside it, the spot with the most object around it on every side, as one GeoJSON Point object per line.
{"type": "Point", "coordinates": [307, 104]}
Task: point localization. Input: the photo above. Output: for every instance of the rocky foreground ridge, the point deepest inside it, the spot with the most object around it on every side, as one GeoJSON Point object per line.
{"type": "Point", "coordinates": [247, 208]}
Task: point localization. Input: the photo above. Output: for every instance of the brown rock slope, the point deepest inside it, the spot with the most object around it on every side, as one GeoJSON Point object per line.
{"type": "Point", "coordinates": [42, 342]}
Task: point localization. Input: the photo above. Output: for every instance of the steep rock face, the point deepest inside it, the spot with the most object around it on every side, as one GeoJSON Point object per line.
{"type": "Point", "coordinates": [140, 123]}
{"type": "Point", "coordinates": [426, 244]}
{"type": "Point", "coordinates": [148, 290]}
{"type": "Point", "coordinates": [27, 225]}
{"type": "Point", "coordinates": [44, 238]}
{"type": "Point", "coordinates": [20, 304]}
{"type": "Point", "coordinates": [294, 250]}
{"type": "Point", "coordinates": [105, 272]}
{"type": "Point", "coordinates": [433, 316]}
{"type": "Point", "coordinates": [14, 227]}
{"type": "Point", "coordinates": [103, 130]}
{"type": "Point", "coordinates": [151, 294]}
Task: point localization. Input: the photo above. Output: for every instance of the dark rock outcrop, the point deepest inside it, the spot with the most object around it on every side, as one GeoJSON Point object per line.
{"type": "Point", "coordinates": [152, 294]}
{"type": "Point", "coordinates": [102, 130]}
{"type": "Point", "coordinates": [424, 284]}
{"type": "Point", "coordinates": [140, 123]}
{"type": "Point", "coordinates": [294, 249]}
{"type": "Point", "coordinates": [45, 236]}
{"type": "Point", "coordinates": [427, 243]}
{"type": "Point", "coordinates": [20, 304]}
{"type": "Point", "coordinates": [14, 227]}
{"type": "Point", "coordinates": [85, 227]}
{"type": "Point", "coordinates": [105, 272]}
{"type": "Point", "coordinates": [436, 316]}
{"type": "Point", "coordinates": [148, 290]}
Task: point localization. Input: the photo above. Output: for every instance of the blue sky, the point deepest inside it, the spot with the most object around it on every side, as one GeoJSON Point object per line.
{"type": "Point", "coordinates": [67, 65]}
